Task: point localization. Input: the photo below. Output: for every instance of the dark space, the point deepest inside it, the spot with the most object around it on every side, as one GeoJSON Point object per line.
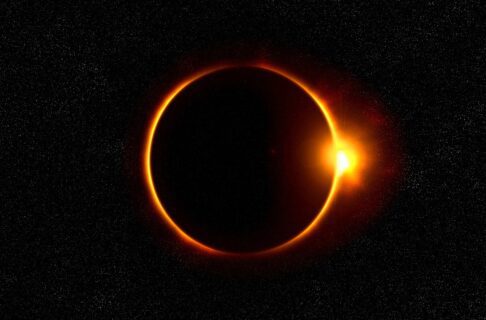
{"type": "Point", "coordinates": [235, 142]}
{"type": "Point", "coordinates": [74, 81]}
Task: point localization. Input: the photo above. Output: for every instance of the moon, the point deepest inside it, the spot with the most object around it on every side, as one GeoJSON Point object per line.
{"type": "Point", "coordinates": [234, 160]}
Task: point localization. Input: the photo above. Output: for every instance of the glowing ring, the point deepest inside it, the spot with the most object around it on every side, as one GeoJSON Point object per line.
{"type": "Point", "coordinates": [148, 173]}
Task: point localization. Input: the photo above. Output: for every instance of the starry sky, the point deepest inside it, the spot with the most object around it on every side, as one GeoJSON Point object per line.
{"type": "Point", "coordinates": [73, 83]}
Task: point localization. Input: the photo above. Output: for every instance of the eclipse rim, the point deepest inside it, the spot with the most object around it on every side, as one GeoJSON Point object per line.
{"type": "Point", "coordinates": [162, 212]}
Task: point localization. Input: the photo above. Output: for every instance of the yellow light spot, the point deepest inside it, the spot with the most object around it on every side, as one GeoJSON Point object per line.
{"type": "Point", "coordinates": [342, 162]}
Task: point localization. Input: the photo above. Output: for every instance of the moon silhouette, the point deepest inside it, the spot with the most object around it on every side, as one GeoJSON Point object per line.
{"type": "Point", "coordinates": [234, 160]}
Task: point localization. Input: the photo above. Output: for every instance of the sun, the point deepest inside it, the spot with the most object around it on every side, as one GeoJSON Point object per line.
{"type": "Point", "coordinates": [346, 161]}
{"type": "Point", "coordinates": [342, 160]}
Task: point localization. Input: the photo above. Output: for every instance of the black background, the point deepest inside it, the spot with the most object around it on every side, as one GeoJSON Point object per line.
{"type": "Point", "coordinates": [72, 243]}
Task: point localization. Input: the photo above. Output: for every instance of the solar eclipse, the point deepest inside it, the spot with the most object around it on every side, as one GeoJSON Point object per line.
{"type": "Point", "coordinates": [247, 160]}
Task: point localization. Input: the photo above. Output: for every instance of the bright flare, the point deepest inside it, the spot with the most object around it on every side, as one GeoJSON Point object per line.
{"type": "Point", "coordinates": [342, 162]}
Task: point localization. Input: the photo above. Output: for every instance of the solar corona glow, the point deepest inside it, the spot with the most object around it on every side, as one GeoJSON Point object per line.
{"type": "Point", "coordinates": [342, 155]}
{"type": "Point", "coordinates": [342, 162]}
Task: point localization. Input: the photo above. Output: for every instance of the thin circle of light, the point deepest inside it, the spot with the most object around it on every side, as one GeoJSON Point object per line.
{"type": "Point", "coordinates": [148, 172]}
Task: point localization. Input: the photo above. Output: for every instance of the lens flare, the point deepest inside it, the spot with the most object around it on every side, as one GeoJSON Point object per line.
{"type": "Point", "coordinates": [343, 163]}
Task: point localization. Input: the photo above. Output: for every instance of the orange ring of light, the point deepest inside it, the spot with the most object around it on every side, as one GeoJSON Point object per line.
{"type": "Point", "coordinates": [148, 148]}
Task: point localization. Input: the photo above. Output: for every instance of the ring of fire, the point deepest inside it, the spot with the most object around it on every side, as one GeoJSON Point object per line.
{"type": "Point", "coordinates": [341, 160]}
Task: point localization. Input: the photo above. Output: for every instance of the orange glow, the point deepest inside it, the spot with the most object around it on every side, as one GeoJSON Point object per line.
{"type": "Point", "coordinates": [345, 160]}
{"type": "Point", "coordinates": [343, 163]}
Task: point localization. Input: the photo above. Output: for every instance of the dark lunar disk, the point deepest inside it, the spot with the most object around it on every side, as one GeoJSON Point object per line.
{"type": "Point", "coordinates": [237, 159]}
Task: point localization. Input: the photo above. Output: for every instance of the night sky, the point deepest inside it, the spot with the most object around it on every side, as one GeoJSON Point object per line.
{"type": "Point", "coordinates": [75, 83]}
